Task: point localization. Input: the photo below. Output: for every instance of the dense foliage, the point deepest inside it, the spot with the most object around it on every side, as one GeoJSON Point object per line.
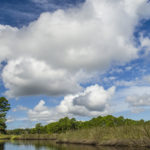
{"type": "Point", "coordinates": [4, 107]}
{"type": "Point", "coordinates": [66, 124]}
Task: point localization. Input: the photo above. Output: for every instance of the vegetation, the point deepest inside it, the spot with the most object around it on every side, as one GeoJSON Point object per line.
{"type": "Point", "coordinates": [66, 124]}
{"type": "Point", "coordinates": [126, 135]}
{"type": "Point", "coordinates": [4, 107]}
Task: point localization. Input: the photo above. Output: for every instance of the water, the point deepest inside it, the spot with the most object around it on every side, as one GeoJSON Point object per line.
{"type": "Point", "coordinates": [49, 145]}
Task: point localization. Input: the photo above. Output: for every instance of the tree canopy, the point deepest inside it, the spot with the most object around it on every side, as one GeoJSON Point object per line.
{"type": "Point", "coordinates": [4, 107]}
{"type": "Point", "coordinates": [65, 124]}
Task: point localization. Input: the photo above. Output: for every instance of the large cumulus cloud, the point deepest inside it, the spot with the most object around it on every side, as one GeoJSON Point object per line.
{"type": "Point", "coordinates": [89, 38]}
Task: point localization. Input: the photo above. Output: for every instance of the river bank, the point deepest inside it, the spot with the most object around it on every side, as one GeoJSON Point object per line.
{"type": "Point", "coordinates": [138, 136]}
{"type": "Point", "coordinates": [45, 145]}
{"type": "Point", "coordinates": [109, 143]}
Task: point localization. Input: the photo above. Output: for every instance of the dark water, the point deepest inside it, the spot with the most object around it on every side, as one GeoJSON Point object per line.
{"type": "Point", "coordinates": [47, 145]}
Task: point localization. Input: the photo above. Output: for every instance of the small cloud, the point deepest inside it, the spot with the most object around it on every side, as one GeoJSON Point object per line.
{"type": "Point", "coordinates": [139, 100]}
{"type": "Point", "coordinates": [125, 83]}
{"type": "Point", "coordinates": [137, 110]}
{"type": "Point", "coordinates": [147, 78]}
{"type": "Point", "coordinates": [128, 68]}
{"type": "Point", "coordinates": [111, 78]}
{"type": "Point", "coordinates": [10, 119]}
{"type": "Point", "coordinates": [116, 70]}
{"type": "Point", "coordinates": [20, 108]}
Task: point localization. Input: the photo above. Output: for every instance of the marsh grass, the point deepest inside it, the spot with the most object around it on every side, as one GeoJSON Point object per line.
{"type": "Point", "coordinates": [36, 137]}
{"type": "Point", "coordinates": [133, 135]}
{"type": "Point", "coordinates": [124, 135]}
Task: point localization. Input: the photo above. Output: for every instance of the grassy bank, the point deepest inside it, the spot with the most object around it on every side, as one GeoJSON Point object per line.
{"type": "Point", "coordinates": [109, 136]}
{"type": "Point", "coordinates": [36, 137]}
{"type": "Point", "coordinates": [29, 137]}
{"type": "Point", "coordinates": [5, 137]}
{"type": "Point", "coordinates": [134, 135]}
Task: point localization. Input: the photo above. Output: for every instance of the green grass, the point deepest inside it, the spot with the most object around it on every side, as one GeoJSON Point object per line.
{"type": "Point", "coordinates": [5, 137]}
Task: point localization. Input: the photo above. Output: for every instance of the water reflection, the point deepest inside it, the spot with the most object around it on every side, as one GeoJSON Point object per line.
{"type": "Point", "coordinates": [49, 145]}
{"type": "Point", "coordinates": [2, 146]}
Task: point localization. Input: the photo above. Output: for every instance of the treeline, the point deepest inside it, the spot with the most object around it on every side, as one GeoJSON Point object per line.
{"type": "Point", "coordinates": [66, 124]}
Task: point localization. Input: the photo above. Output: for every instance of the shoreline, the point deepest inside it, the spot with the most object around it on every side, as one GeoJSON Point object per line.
{"type": "Point", "coordinates": [107, 143]}
{"type": "Point", "coordinates": [111, 143]}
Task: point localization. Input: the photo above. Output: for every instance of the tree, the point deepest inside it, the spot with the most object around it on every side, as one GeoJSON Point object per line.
{"type": "Point", "coordinates": [4, 107]}
{"type": "Point", "coordinates": [38, 127]}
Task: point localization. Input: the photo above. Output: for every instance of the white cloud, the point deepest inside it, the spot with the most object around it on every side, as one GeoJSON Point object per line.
{"type": "Point", "coordinates": [137, 110]}
{"type": "Point", "coordinates": [58, 45]}
{"type": "Point", "coordinates": [128, 68]}
{"type": "Point", "coordinates": [43, 113]}
{"type": "Point", "coordinates": [109, 79]}
{"type": "Point", "coordinates": [145, 42]}
{"type": "Point", "coordinates": [40, 112]}
{"type": "Point", "coordinates": [94, 101]}
{"type": "Point", "coordinates": [94, 98]}
{"type": "Point", "coordinates": [40, 1]}
{"type": "Point", "coordinates": [23, 77]}
{"type": "Point", "coordinates": [132, 98]}
{"type": "Point", "coordinates": [92, 37]}
{"type": "Point", "coordinates": [20, 108]}
{"type": "Point", "coordinates": [139, 100]}
{"type": "Point", "coordinates": [136, 82]}
{"type": "Point", "coordinates": [146, 78]}
{"type": "Point", "coordinates": [116, 70]}
{"type": "Point", "coordinates": [140, 90]}
{"type": "Point", "coordinates": [10, 119]}
{"type": "Point", "coordinates": [126, 83]}
{"type": "Point", "coordinates": [7, 34]}
{"type": "Point", "coordinates": [91, 102]}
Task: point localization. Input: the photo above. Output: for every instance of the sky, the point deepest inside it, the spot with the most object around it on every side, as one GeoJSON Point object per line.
{"type": "Point", "coordinates": [75, 58]}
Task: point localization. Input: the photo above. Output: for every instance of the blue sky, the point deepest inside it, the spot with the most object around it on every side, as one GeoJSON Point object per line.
{"type": "Point", "coordinates": [19, 13]}
{"type": "Point", "coordinates": [75, 58]}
